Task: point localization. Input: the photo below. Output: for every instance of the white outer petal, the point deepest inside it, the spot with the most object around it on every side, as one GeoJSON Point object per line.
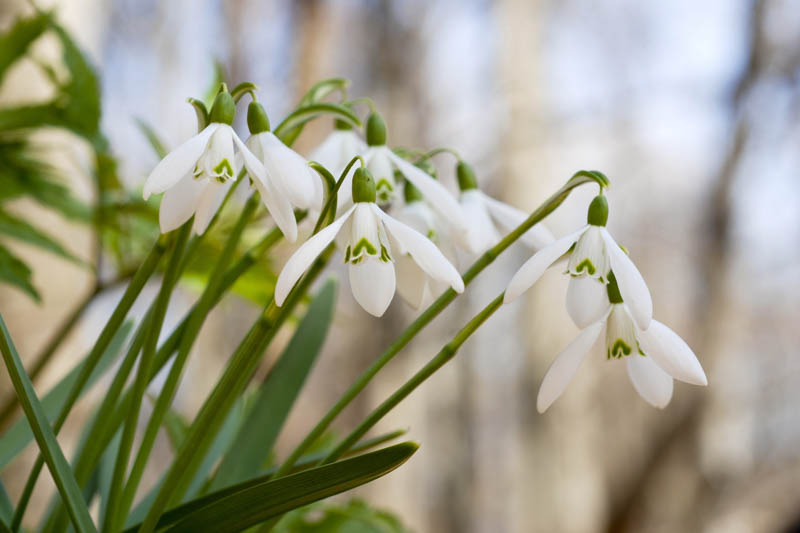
{"type": "Point", "coordinates": [291, 171]}
{"type": "Point", "coordinates": [273, 196]}
{"type": "Point", "coordinates": [652, 383]}
{"type": "Point", "coordinates": [632, 287]}
{"type": "Point", "coordinates": [373, 283]}
{"type": "Point", "coordinates": [509, 217]}
{"type": "Point", "coordinates": [565, 365]}
{"type": "Point", "coordinates": [178, 162]}
{"type": "Point", "coordinates": [672, 354]}
{"type": "Point", "coordinates": [412, 283]}
{"type": "Point", "coordinates": [481, 234]}
{"type": "Point", "coordinates": [437, 196]}
{"type": "Point", "coordinates": [305, 255]}
{"type": "Point", "coordinates": [208, 204]}
{"type": "Point", "coordinates": [530, 272]}
{"type": "Point", "coordinates": [587, 301]}
{"type": "Point", "coordinates": [179, 203]}
{"type": "Point", "coordinates": [423, 251]}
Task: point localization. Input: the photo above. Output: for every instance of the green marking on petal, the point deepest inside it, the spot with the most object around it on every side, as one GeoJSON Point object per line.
{"type": "Point", "coordinates": [347, 254]}
{"type": "Point", "coordinates": [620, 349]}
{"type": "Point", "coordinates": [223, 170]}
{"type": "Point", "coordinates": [385, 257]}
{"type": "Point", "coordinates": [432, 235]}
{"type": "Point", "coordinates": [362, 246]}
{"type": "Point", "coordinates": [587, 265]}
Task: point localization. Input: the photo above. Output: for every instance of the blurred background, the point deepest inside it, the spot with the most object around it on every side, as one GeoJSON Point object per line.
{"type": "Point", "coordinates": [691, 109]}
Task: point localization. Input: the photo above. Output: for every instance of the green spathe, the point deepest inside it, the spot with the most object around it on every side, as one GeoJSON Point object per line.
{"type": "Point", "coordinates": [376, 130]}
{"type": "Point", "coordinates": [466, 176]}
{"type": "Point", "coordinates": [224, 109]}
{"type": "Point", "coordinates": [598, 211]}
{"type": "Point", "coordinates": [363, 186]}
{"type": "Point", "coordinates": [257, 120]}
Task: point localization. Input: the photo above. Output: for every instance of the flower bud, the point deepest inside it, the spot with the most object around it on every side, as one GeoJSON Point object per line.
{"type": "Point", "coordinates": [466, 176]}
{"type": "Point", "coordinates": [223, 109]}
{"type": "Point", "coordinates": [257, 120]}
{"type": "Point", "coordinates": [376, 130]}
{"type": "Point", "coordinates": [363, 186]}
{"type": "Point", "coordinates": [598, 211]}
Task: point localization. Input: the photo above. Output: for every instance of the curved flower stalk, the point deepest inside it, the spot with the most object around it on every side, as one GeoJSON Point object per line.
{"type": "Point", "coordinates": [286, 168]}
{"type": "Point", "coordinates": [371, 239]}
{"type": "Point", "coordinates": [592, 254]}
{"type": "Point", "coordinates": [335, 152]}
{"type": "Point", "coordinates": [382, 162]}
{"type": "Point", "coordinates": [490, 219]}
{"type": "Point", "coordinates": [196, 176]}
{"type": "Point", "coordinates": [654, 355]}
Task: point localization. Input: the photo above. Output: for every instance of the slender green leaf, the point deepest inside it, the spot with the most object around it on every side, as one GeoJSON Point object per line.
{"type": "Point", "coordinates": [25, 232]}
{"type": "Point", "coordinates": [323, 88]}
{"type": "Point", "coordinates": [6, 507]}
{"type": "Point", "coordinates": [105, 473]}
{"type": "Point", "coordinates": [153, 138]}
{"type": "Point", "coordinates": [235, 509]}
{"type": "Point", "coordinates": [45, 438]}
{"type": "Point", "coordinates": [19, 435]}
{"type": "Point", "coordinates": [14, 272]}
{"type": "Point", "coordinates": [15, 42]}
{"type": "Point", "coordinates": [355, 515]}
{"type": "Point", "coordinates": [277, 394]}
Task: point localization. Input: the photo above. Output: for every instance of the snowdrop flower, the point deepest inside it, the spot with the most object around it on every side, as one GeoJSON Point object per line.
{"type": "Point", "coordinates": [594, 255]}
{"type": "Point", "coordinates": [654, 356]}
{"type": "Point", "coordinates": [288, 169]}
{"type": "Point", "coordinates": [371, 239]}
{"type": "Point", "coordinates": [196, 176]}
{"type": "Point", "coordinates": [490, 219]}
{"type": "Point", "coordinates": [382, 162]}
{"type": "Point", "coordinates": [335, 152]}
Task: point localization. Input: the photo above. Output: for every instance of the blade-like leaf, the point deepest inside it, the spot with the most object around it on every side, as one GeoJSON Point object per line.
{"type": "Point", "coordinates": [45, 438]}
{"type": "Point", "coordinates": [15, 42]}
{"type": "Point", "coordinates": [14, 272]}
{"type": "Point", "coordinates": [323, 88]}
{"type": "Point", "coordinates": [23, 231]}
{"type": "Point", "coordinates": [6, 507]}
{"type": "Point", "coordinates": [277, 394]}
{"type": "Point", "coordinates": [232, 510]}
{"type": "Point", "coordinates": [19, 435]}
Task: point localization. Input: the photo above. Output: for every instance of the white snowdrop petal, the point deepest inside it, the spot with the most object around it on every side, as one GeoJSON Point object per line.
{"type": "Point", "coordinates": [274, 198]}
{"type": "Point", "coordinates": [208, 204]}
{"type": "Point", "coordinates": [587, 301]}
{"type": "Point", "coordinates": [412, 283]}
{"type": "Point", "coordinates": [509, 218]}
{"type": "Point", "coordinates": [373, 284]}
{"type": "Point", "coordinates": [530, 272]}
{"type": "Point", "coordinates": [290, 171]}
{"type": "Point", "coordinates": [632, 287]}
{"type": "Point", "coordinates": [305, 255]}
{"type": "Point", "coordinates": [179, 202]}
{"type": "Point", "coordinates": [434, 192]}
{"type": "Point", "coordinates": [178, 163]}
{"type": "Point", "coordinates": [672, 354]}
{"type": "Point", "coordinates": [565, 366]}
{"type": "Point", "coordinates": [652, 383]}
{"type": "Point", "coordinates": [481, 234]}
{"type": "Point", "coordinates": [423, 251]}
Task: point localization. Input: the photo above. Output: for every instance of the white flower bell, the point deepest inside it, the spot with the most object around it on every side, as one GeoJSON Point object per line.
{"type": "Point", "coordinates": [490, 219]}
{"type": "Point", "coordinates": [370, 239]}
{"type": "Point", "coordinates": [196, 176]}
{"type": "Point", "coordinates": [594, 255]}
{"type": "Point", "coordinates": [654, 356]}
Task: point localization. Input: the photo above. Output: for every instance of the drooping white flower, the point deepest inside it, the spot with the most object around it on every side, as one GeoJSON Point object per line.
{"type": "Point", "coordinates": [287, 169]}
{"type": "Point", "coordinates": [491, 219]}
{"type": "Point", "coordinates": [335, 152]}
{"type": "Point", "coordinates": [371, 240]}
{"type": "Point", "coordinates": [594, 255]}
{"type": "Point", "coordinates": [196, 176]}
{"type": "Point", "coordinates": [654, 356]}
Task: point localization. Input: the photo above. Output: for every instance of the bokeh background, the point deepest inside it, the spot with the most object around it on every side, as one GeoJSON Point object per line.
{"type": "Point", "coordinates": [691, 109]}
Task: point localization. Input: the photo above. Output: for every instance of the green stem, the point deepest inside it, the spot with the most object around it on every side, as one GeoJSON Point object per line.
{"type": "Point", "coordinates": [429, 314]}
{"type": "Point", "coordinates": [159, 311]}
{"type": "Point", "coordinates": [237, 375]}
{"type": "Point", "coordinates": [445, 354]}
{"type": "Point", "coordinates": [144, 272]}
{"type": "Point", "coordinates": [436, 152]}
{"type": "Point", "coordinates": [197, 318]}
{"type": "Point", "coordinates": [331, 204]}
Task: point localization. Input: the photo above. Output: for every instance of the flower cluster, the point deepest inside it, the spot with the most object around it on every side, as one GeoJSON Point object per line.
{"type": "Point", "coordinates": [607, 292]}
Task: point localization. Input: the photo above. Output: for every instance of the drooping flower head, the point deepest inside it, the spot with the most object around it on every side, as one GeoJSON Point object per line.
{"type": "Point", "coordinates": [196, 176]}
{"type": "Point", "coordinates": [370, 239]}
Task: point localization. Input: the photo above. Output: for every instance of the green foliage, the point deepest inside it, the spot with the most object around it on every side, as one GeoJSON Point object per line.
{"type": "Point", "coordinates": [350, 517]}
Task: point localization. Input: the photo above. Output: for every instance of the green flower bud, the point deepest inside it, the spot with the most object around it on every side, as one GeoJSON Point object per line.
{"type": "Point", "coordinates": [342, 125]}
{"type": "Point", "coordinates": [598, 211]}
{"type": "Point", "coordinates": [612, 288]}
{"type": "Point", "coordinates": [257, 120]}
{"type": "Point", "coordinates": [411, 193]}
{"type": "Point", "coordinates": [363, 186]}
{"type": "Point", "coordinates": [223, 109]}
{"type": "Point", "coordinates": [376, 130]}
{"type": "Point", "coordinates": [466, 176]}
